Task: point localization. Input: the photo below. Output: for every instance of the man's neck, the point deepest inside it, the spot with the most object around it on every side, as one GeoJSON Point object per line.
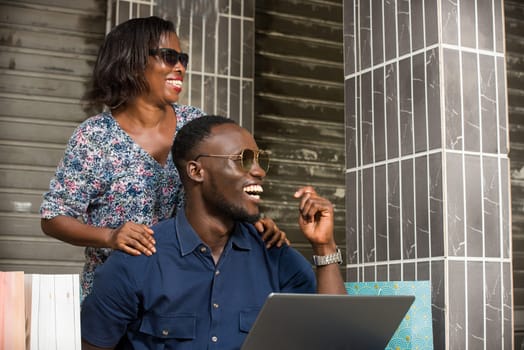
{"type": "Point", "coordinates": [213, 231]}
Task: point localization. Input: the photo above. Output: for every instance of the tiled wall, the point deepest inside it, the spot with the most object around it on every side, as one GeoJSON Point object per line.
{"type": "Point", "coordinates": [427, 159]}
{"type": "Point", "coordinates": [219, 37]}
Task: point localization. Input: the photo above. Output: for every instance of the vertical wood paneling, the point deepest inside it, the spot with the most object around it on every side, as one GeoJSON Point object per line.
{"type": "Point", "coordinates": [299, 106]}
{"type": "Point", "coordinates": [55, 311]}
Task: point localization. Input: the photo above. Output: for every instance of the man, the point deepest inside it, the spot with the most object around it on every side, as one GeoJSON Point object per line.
{"type": "Point", "coordinates": [211, 274]}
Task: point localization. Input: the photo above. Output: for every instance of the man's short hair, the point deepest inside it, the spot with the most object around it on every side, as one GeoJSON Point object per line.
{"type": "Point", "coordinates": [191, 135]}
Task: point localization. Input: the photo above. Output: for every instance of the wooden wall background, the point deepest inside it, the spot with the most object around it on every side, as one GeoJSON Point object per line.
{"type": "Point", "coordinates": [514, 12]}
{"type": "Point", "coordinates": [47, 50]}
{"type": "Point", "coordinates": [299, 106]}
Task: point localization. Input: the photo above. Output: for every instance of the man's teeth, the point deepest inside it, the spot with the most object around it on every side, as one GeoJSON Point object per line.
{"type": "Point", "coordinates": [175, 83]}
{"type": "Point", "coordinates": [253, 190]}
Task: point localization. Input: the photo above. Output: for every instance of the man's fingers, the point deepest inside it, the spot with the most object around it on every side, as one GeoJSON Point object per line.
{"type": "Point", "coordinates": [304, 190]}
{"type": "Point", "coordinates": [306, 195]}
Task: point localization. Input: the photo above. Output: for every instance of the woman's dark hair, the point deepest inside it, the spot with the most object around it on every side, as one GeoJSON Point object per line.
{"type": "Point", "coordinates": [118, 75]}
{"type": "Point", "coordinates": [191, 135]}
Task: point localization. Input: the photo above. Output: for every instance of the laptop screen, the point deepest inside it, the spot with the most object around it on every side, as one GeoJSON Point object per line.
{"type": "Point", "coordinates": [321, 321]}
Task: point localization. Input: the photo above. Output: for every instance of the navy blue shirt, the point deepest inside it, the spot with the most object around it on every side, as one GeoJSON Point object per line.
{"type": "Point", "coordinates": [179, 299]}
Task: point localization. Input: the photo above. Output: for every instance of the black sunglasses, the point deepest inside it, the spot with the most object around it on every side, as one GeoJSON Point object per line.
{"type": "Point", "coordinates": [170, 56]}
{"type": "Point", "coordinates": [247, 158]}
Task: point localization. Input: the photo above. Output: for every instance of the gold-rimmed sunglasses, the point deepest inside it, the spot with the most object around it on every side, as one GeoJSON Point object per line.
{"type": "Point", "coordinates": [247, 158]}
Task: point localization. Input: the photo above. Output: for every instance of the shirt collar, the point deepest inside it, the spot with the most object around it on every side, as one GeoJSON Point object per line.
{"type": "Point", "coordinates": [239, 239]}
{"type": "Point", "coordinates": [189, 240]}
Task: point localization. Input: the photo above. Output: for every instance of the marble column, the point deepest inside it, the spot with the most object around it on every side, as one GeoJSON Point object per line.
{"type": "Point", "coordinates": [427, 170]}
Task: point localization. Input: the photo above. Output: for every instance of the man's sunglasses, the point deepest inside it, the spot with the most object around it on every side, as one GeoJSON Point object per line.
{"type": "Point", "coordinates": [170, 56]}
{"type": "Point", "coordinates": [247, 158]}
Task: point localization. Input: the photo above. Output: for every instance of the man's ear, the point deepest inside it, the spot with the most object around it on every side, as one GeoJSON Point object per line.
{"type": "Point", "coordinates": [194, 170]}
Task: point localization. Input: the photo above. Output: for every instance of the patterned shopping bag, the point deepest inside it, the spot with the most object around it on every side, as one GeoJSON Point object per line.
{"type": "Point", "coordinates": [12, 311]}
{"type": "Point", "coordinates": [415, 332]}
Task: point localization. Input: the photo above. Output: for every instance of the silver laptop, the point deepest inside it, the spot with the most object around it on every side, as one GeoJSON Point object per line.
{"type": "Point", "coordinates": [326, 322]}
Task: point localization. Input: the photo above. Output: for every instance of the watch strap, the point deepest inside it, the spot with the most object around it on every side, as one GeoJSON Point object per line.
{"type": "Point", "coordinates": [322, 260]}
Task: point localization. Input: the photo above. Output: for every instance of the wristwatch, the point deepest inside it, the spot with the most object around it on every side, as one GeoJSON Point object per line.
{"type": "Point", "coordinates": [321, 260]}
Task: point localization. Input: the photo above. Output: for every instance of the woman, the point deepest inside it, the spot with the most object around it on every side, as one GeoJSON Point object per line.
{"type": "Point", "coordinates": [117, 174]}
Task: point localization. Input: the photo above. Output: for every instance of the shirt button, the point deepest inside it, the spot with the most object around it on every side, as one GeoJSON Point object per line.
{"type": "Point", "coordinates": [215, 305]}
{"type": "Point", "coordinates": [217, 272]}
{"type": "Point", "coordinates": [214, 339]}
{"type": "Point", "coordinates": [203, 249]}
{"type": "Point", "coordinates": [165, 332]}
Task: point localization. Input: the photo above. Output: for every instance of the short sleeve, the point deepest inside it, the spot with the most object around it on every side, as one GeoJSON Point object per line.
{"type": "Point", "coordinates": [113, 303]}
{"type": "Point", "coordinates": [185, 114]}
{"type": "Point", "coordinates": [296, 274]}
{"type": "Point", "coordinates": [78, 177]}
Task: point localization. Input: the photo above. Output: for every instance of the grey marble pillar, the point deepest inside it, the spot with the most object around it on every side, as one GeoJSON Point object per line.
{"type": "Point", "coordinates": [427, 159]}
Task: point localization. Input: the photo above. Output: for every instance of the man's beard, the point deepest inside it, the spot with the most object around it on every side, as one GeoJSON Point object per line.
{"type": "Point", "coordinates": [232, 210]}
{"type": "Point", "coordinates": [235, 212]}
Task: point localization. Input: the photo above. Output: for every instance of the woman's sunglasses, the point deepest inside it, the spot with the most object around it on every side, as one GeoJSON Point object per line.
{"type": "Point", "coordinates": [247, 158]}
{"type": "Point", "coordinates": [170, 57]}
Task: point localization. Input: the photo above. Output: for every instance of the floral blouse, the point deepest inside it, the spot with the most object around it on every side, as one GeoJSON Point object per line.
{"type": "Point", "coordinates": [107, 179]}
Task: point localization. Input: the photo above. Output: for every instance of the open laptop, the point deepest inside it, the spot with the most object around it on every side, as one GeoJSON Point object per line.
{"type": "Point", "coordinates": [326, 322]}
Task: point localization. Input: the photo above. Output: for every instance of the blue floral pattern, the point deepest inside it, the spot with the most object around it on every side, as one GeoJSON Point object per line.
{"type": "Point", "coordinates": [106, 179]}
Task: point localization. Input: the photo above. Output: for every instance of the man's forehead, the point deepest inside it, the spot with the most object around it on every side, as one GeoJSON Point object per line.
{"type": "Point", "coordinates": [230, 136]}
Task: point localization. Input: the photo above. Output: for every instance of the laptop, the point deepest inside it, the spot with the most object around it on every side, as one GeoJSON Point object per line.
{"type": "Point", "coordinates": [326, 322]}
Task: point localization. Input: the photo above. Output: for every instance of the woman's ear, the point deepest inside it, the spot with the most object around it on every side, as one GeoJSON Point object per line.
{"type": "Point", "coordinates": [194, 170]}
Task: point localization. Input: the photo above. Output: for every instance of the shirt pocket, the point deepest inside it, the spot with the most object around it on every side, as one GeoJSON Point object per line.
{"type": "Point", "coordinates": [247, 319]}
{"type": "Point", "coordinates": [173, 331]}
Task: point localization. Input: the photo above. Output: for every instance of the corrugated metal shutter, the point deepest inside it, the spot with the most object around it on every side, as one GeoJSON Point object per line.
{"type": "Point", "coordinates": [299, 106]}
{"type": "Point", "coordinates": [48, 48]}
{"type": "Point", "coordinates": [514, 12]}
